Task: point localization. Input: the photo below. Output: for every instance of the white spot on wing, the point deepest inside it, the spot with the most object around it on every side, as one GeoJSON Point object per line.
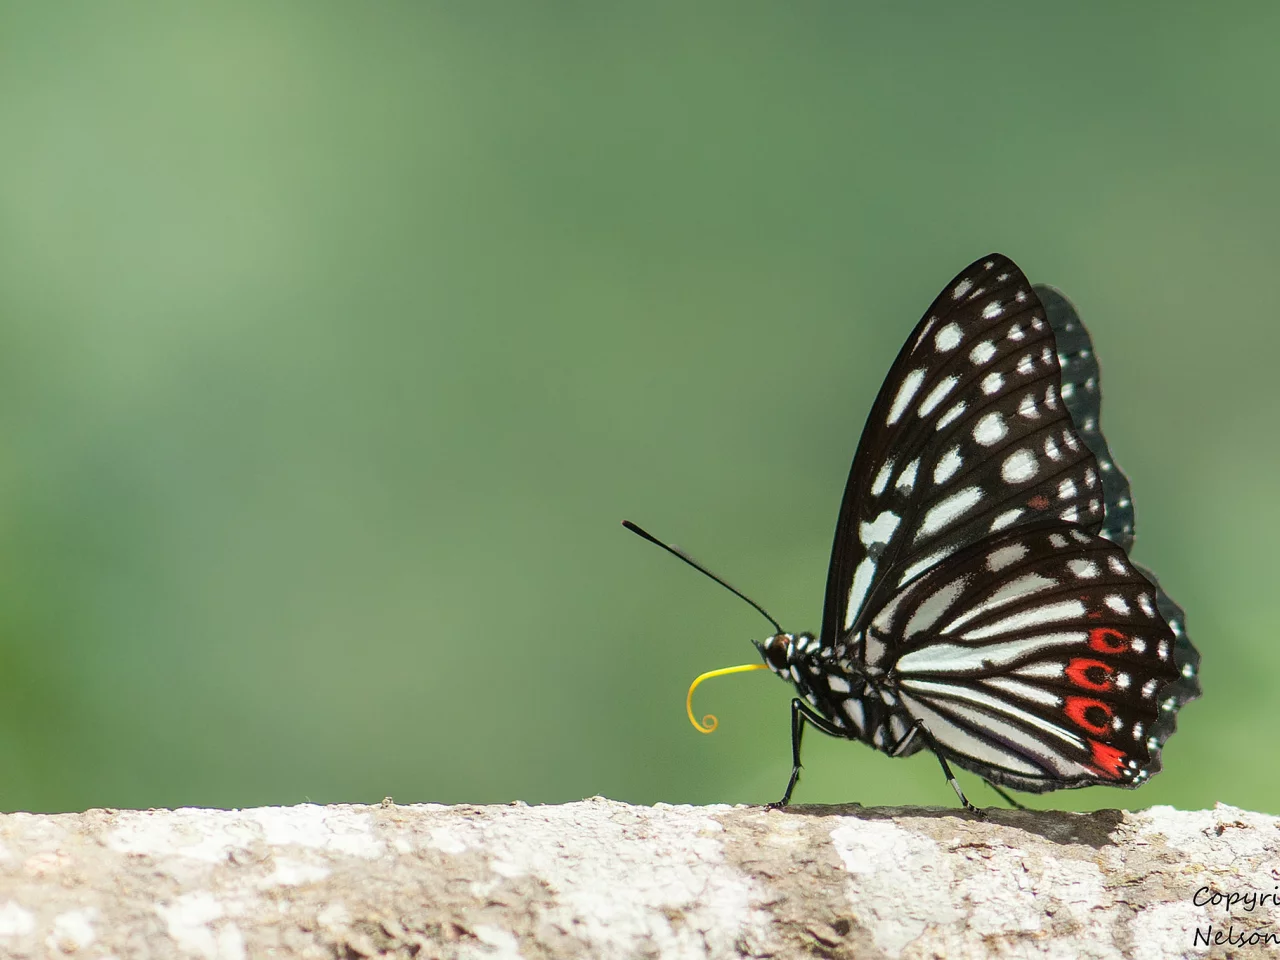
{"type": "Point", "coordinates": [961, 288]}
{"type": "Point", "coordinates": [1027, 407]}
{"type": "Point", "coordinates": [882, 479]}
{"type": "Point", "coordinates": [1025, 365]}
{"type": "Point", "coordinates": [1117, 603]}
{"type": "Point", "coordinates": [1003, 520]}
{"type": "Point", "coordinates": [874, 652]}
{"type": "Point", "coordinates": [1084, 569]}
{"type": "Point", "coordinates": [992, 383]}
{"type": "Point", "coordinates": [982, 352]}
{"type": "Point", "coordinates": [990, 429]}
{"type": "Point", "coordinates": [906, 390]}
{"type": "Point", "coordinates": [879, 530]}
{"type": "Point", "coordinates": [947, 510]}
{"type": "Point", "coordinates": [937, 395]}
{"type": "Point", "coordinates": [1066, 489]}
{"type": "Point", "coordinates": [951, 414]}
{"type": "Point", "coordinates": [924, 332]}
{"type": "Point", "coordinates": [907, 479]}
{"type": "Point", "coordinates": [948, 338]}
{"type": "Point", "coordinates": [992, 310]}
{"type": "Point", "coordinates": [947, 466]}
{"type": "Point", "coordinates": [1019, 467]}
{"type": "Point", "coordinates": [1000, 558]}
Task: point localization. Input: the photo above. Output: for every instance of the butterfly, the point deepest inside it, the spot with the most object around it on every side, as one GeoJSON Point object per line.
{"type": "Point", "coordinates": [980, 601]}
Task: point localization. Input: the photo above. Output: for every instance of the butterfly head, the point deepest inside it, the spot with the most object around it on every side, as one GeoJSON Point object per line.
{"type": "Point", "coordinates": [783, 651]}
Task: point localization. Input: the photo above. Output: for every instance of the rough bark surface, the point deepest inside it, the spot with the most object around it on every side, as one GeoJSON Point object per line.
{"type": "Point", "coordinates": [600, 879]}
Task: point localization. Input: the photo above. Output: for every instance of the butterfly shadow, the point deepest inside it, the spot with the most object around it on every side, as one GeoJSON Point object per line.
{"type": "Point", "coordinates": [1094, 828]}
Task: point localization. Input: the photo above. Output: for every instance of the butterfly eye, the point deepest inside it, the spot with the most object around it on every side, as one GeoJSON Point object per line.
{"type": "Point", "coordinates": [777, 651]}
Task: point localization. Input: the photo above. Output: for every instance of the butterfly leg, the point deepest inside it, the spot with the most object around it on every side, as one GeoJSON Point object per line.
{"type": "Point", "coordinates": [946, 769]}
{"type": "Point", "coordinates": [1007, 799]}
{"type": "Point", "coordinates": [800, 714]}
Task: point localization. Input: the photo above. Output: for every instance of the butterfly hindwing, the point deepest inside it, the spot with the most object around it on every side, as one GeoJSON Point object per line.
{"type": "Point", "coordinates": [1037, 658]}
{"type": "Point", "coordinates": [1187, 659]}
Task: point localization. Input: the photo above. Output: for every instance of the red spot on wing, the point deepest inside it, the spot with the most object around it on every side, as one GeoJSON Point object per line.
{"type": "Point", "coordinates": [1085, 673]}
{"type": "Point", "coordinates": [1107, 760]}
{"type": "Point", "coordinates": [1107, 640]}
{"type": "Point", "coordinates": [1038, 502]}
{"type": "Point", "coordinates": [1089, 714]}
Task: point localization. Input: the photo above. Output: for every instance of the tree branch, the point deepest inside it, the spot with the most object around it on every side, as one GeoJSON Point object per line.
{"type": "Point", "coordinates": [600, 879]}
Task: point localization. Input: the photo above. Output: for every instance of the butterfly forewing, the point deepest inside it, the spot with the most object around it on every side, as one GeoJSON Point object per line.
{"type": "Point", "coordinates": [1036, 657]}
{"type": "Point", "coordinates": [968, 436]}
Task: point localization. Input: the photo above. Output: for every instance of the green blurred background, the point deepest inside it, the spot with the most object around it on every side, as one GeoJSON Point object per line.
{"type": "Point", "coordinates": [336, 339]}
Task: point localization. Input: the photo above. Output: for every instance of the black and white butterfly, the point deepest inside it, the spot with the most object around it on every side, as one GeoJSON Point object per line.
{"type": "Point", "coordinates": [980, 600]}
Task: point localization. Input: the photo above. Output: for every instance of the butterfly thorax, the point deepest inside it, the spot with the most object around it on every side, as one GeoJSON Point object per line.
{"type": "Point", "coordinates": [857, 699]}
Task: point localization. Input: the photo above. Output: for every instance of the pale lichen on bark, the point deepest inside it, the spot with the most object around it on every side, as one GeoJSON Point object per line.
{"type": "Point", "coordinates": [601, 879]}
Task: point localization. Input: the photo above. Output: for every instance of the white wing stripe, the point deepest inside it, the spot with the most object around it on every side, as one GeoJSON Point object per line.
{"type": "Point", "coordinates": [1024, 691]}
{"type": "Point", "coordinates": [1054, 764]}
{"type": "Point", "coordinates": [962, 742]}
{"type": "Point", "coordinates": [924, 564]}
{"type": "Point", "coordinates": [910, 384]}
{"type": "Point", "coordinates": [1044, 670]}
{"type": "Point", "coordinates": [948, 691]}
{"type": "Point", "coordinates": [945, 511]}
{"type": "Point", "coordinates": [1036, 616]}
{"type": "Point", "coordinates": [1020, 587]}
{"type": "Point", "coordinates": [958, 658]}
{"type": "Point", "coordinates": [928, 613]}
{"type": "Point", "coordinates": [862, 578]}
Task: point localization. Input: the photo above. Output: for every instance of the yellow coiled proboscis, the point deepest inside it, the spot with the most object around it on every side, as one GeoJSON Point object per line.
{"type": "Point", "coordinates": [709, 722]}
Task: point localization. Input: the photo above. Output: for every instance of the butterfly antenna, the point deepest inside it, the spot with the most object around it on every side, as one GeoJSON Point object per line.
{"type": "Point", "coordinates": [640, 531]}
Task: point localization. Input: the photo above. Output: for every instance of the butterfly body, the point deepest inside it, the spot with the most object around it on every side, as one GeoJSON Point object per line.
{"type": "Point", "coordinates": [980, 600]}
{"type": "Point", "coordinates": [848, 696]}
